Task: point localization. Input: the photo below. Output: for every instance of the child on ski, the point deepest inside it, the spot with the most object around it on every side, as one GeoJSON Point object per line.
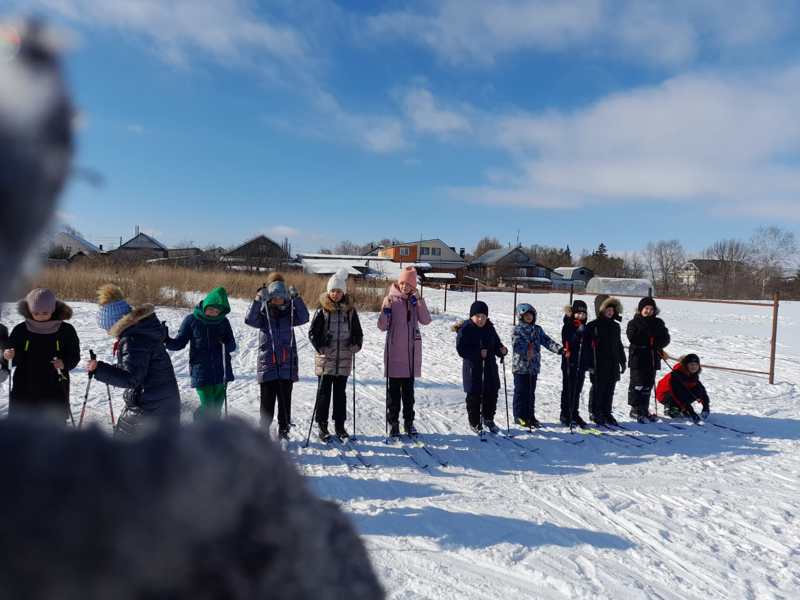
{"type": "Point", "coordinates": [402, 314]}
{"type": "Point", "coordinates": [336, 336]}
{"type": "Point", "coordinates": [44, 348]}
{"type": "Point", "coordinates": [576, 361]}
{"type": "Point", "coordinates": [478, 344]}
{"type": "Point", "coordinates": [679, 388]}
{"type": "Point", "coordinates": [609, 358]}
{"type": "Point", "coordinates": [648, 336]}
{"type": "Point", "coordinates": [143, 368]}
{"type": "Point", "coordinates": [210, 337]}
{"type": "Point", "coordinates": [527, 342]}
{"type": "Point", "coordinates": [276, 311]}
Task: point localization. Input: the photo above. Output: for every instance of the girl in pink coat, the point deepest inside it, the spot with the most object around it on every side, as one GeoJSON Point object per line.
{"type": "Point", "coordinates": [403, 312]}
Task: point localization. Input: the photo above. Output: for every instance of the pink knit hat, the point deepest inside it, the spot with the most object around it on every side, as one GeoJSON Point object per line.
{"type": "Point", "coordinates": [408, 275]}
{"type": "Point", "coordinates": [41, 300]}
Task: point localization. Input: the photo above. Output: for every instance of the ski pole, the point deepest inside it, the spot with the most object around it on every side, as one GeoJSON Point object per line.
{"type": "Point", "coordinates": [353, 437]}
{"type": "Point", "coordinates": [505, 390]}
{"type": "Point", "coordinates": [225, 377]}
{"type": "Point", "coordinates": [92, 356]}
{"type": "Point", "coordinates": [314, 412]}
{"type": "Point", "coordinates": [110, 406]}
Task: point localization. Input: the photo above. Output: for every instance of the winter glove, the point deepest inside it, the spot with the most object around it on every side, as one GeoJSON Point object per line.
{"type": "Point", "coordinates": [262, 295]}
{"type": "Point", "coordinates": [561, 351]}
{"type": "Point", "coordinates": [387, 311]}
{"type": "Point", "coordinates": [293, 293]}
{"type": "Point", "coordinates": [413, 300]}
{"type": "Point", "coordinates": [503, 350]}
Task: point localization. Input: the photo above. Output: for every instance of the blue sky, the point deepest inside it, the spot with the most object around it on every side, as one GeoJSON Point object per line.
{"type": "Point", "coordinates": [575, 122]}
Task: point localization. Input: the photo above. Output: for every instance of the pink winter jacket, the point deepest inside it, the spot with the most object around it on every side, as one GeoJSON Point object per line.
{"type": "Point", "coordinates": [403, 327]}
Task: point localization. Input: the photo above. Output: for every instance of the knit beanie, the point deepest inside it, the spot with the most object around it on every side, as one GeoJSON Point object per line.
{"type": "Point", "coordinates": [579, 306]}
{"type": "Point", "coordinates": [338, 281]}
{"type": "Point", "coordinates": [112, 306]}
{"type": "Point", "coordinates": [408, 275]}
{"type": "Point", "coordinates": [41, 300]}
{"type": "Point", "coordinates": [478, 308]}
{"type": "Point", "coordinates": [647, 302]}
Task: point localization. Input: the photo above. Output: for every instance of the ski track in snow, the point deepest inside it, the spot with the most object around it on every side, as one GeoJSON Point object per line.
{"type": "Point", "coordinates": [698, 512]}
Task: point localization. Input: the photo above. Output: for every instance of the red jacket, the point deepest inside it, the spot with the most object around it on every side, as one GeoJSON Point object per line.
{"type": "Point", "coordinates": [681, 387]}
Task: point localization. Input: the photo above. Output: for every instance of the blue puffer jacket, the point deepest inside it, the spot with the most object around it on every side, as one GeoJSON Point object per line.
{"type": "Point", "coordinates": [143, 366]}
{"type": "Point", "coordinates": [210, 347]}
{"type": "Point", "coordinates": [480, 376]}
{"type": "Point", "coordinates": [525, 336]}
{"type": "Point", "coordinates": [277, 351]}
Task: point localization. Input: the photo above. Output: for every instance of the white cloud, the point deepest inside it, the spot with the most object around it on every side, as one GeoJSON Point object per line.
{"type": "Point", "coordinates": [379, 133]}
{"type": "Point", "coordinates": [422, 109]}
{"type": "Point", "coordinates": [729, 143]}
{"type": "Point", "coordinates": [282, 231]}
{"type": "Point", "coordinates": [228, 31]}
{"type": "Point", "coordinates": [661, 32]}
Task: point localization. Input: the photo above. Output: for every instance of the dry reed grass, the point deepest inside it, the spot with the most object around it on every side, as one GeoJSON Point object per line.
{"type": "Point", "coordinates": [165, 286]}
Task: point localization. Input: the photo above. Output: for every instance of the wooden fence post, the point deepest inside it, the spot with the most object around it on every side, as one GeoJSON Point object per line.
{"type": "Point", "coordinates": [776, 300]}
{"type": "Point", "coordinates": [571, 292]}
{"type": "Point", "coordinates": [445, 297]}
{"type": "Point", "coordinates": [516, 286]}
{"type": "Point", "coordinates": [476, 289]}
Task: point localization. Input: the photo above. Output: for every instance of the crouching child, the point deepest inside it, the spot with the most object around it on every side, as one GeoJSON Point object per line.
{"type": "Point", "coordinates": [681, 387]}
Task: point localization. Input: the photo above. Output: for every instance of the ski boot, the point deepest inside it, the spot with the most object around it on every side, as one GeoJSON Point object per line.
{"type": "Point", "coordinates": [580, 422]}
{"type": "Point", "coordinates": [283, 434]}
{"type": "Point", "coordinates": [341, 432]}
{"type": "Point", "coordinates": [522, 422]}
{"type": "Point", "coordinates": [394, 430]}
{"type": "Point", "coordinates": [409, 429]}
{"type": "Point", "coordinates": [491, 426]}
{"type": "Point", "coordinates": [476, 429]}
{"type": "Point", "coordinates": [611, 421]}
{"type": "Point", "coordinates": [322, 432]}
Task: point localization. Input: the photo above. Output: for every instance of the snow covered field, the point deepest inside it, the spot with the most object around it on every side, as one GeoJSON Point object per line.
{"type": "Point", "coordinates": [697, 512]}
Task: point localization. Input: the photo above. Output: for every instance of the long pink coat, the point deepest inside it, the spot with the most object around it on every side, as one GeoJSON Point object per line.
{"type": "Point", "coordinates": [403, 327]}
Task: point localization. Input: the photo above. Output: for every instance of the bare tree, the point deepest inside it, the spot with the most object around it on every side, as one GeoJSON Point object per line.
{"type": "Point", "coordinates": [730, 275]}
{"type": "Point", "coordinates": [664, 260]}
{"type": "Point", "coordinates": [485, 244]}
{"type": "Point", "coordinates": [772, 250]}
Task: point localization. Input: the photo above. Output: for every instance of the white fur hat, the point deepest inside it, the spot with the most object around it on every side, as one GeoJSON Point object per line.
{"type": "Point", "coordinates": [338, 280]}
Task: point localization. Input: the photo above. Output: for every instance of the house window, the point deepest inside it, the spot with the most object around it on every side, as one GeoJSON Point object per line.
{"type": "Point", "coordinates": [405, 251]}
{"type": "Point", "coordinates": [436, 251]}
{"type": "Point", "coordinates": [425, 251]}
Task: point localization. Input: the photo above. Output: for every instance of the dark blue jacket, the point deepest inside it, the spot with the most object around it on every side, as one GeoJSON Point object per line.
{"type": "Point", "coordinates": [277, 350]}
{"type": "Point", "coordinates": [143, 367]}
{"type": "Point", "coordinates": [577, 341]}
{"type": "Point", "coordinates": [210, 347]}
{"type": "Point", "coordinates": [480, 376]}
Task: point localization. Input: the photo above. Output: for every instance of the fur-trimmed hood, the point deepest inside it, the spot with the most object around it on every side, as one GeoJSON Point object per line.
{"type": "Point", "coordinates": [458, 325]}
{"type": "Point", "coordinates": [346, 304]}
{"type": "Point", "coordinates": [63, 311]}
{"type": "Point", "coordinates": [137, 315]}
{"type": "Point", "coordinates": [611, 302]}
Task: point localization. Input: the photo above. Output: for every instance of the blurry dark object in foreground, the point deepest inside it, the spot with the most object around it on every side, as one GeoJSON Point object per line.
{"type": "Point", "coordinates": [212, 511]}
{"type": "Point", "coordinates": [36, 147]}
